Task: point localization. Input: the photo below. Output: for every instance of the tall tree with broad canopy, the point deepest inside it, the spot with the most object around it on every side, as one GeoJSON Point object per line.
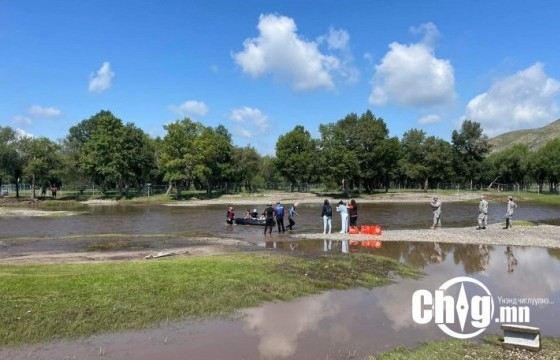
{"type": "Point", "coordinates": [11, 162]}
{"type": "Point", "coordinates": [425, 158]}
{"type": "Point", "coordinates": [178, 153]}
{"type": "Point", "coordinates": [246, 166]}
{"type": "Point", "coordinates": [41, 161]}
{"type": "Point", "coordinates": [296, 156]}
{"type": "Point", "coordinates": [470, 147]}
{"type": "Point", "coordinates": [115, 154]}
{"type": "Point", "coordinates": [213, 156]}
{"type": "Point", "coordinates": [545, 166]}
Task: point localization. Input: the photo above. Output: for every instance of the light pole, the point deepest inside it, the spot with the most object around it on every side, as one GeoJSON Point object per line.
{"type": "Point", "coordinates": [149, 184]}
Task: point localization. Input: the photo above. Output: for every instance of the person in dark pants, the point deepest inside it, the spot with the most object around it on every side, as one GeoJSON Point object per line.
{"type": "Point", "coordinates": [269, 214]}
{"type": "Point", "coordinates": [353, 212]}
{"type": "Point", "coordinates": [291, 214]}
{"type": "Point", "coordinates": [280, 217]}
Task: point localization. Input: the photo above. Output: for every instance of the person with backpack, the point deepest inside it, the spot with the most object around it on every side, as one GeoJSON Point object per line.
{"type": "Point", "coordinates": [280, 217]}
{"type": "Point", "coordinates": [326, 214]}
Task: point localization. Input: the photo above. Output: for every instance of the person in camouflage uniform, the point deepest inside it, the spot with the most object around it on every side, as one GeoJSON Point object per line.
{"type": "Point", "coordinates": [511, 206]}
{"type": "Point", "coordinates": [436, 208]}
{"type": "Point", "coordinates": [482, 213]}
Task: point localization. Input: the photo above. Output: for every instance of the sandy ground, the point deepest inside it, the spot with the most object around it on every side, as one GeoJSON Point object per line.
{"type": "Point", "coordinates": [537, 236]}
{"type": "Point", "coordinates": [209, 246]}
{"type": "Point", "coordinates": [9, 212]}
{"type": "Point", "coordinates": [306, 198]}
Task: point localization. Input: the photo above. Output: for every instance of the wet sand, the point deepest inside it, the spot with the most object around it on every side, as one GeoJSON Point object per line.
{"type": "Point", "coordinates": [536, 236]}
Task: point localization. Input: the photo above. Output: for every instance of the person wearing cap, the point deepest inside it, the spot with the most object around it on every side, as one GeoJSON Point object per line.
{"type": "Point", "coordinates": [269, 213]}
{"type": "Point", "coordinates": [291, 214]}
{"type": "Point", "coordinates": [436, 208]}
{"type": "Point", "coordinates": [511, 206]}
{"type": "Point", "coordinates": [280, 217]}
{"type": "Point", "coordinates": [482, 213]}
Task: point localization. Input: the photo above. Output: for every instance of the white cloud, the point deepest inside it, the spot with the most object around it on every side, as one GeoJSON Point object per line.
{"type": "Point", "coordinates": [280, 51]}
{"type": "Point", "coordinates": [24, 120]}
{"type": "Point", "coordinates": [101, 81]}
{"type": "Point", "coordinates": [251, 121]}
{"type": "Point", "coordinates": [411, 75]}
{"type": "Point", "coordinates": [190, 107]}
{"type": "Point", "coordinates": [22, 134]}
{"type": "Point", "coordinates": [429, 119]}
{"type": "Point", "coordinates": [37, 110]}
{"type": "Point", "coordinates": [523, 100]}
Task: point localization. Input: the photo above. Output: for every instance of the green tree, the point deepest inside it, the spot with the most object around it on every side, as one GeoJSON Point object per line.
{"type": "Point", "coordinates": [41, 162]}
{"type": "Point", "coordinates": [178, 153]}
{"type": "Point", "coordinates": [296, 156]}
{"type": "Point", "coordinates": [510, 166]}
{"type": "Point", "coordinates": [11, 162]}
{"type": "Point", "coordinates": [545, 165]}
{"type": "Point", "coordinates": [114, 154]}
{"type": "Point", "coordinates": [246, 166]}
{"type": "Point", "coordinates": [470, 147]}
{"type": "Point", "coordinates": [213, 157]}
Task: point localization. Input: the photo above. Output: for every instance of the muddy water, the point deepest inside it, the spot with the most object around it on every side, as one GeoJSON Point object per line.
{"type": "Point", "coordinates": [338, 324]}
{"type": "Point", "coordinates": [142, 220]}
{"type": "Point", "coordinates": [334, 324]}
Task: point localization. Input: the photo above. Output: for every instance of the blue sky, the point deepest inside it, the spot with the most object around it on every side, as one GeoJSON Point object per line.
{"type": "Point", "coordinates": [262, 67]}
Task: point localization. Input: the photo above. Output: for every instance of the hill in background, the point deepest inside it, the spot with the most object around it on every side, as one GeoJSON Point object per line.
{"type": "Point", "coordinates": [534, 138]}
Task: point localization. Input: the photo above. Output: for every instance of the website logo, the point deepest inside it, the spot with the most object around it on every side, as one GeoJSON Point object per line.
{"type": "Point", "coordinates": [462, 308]}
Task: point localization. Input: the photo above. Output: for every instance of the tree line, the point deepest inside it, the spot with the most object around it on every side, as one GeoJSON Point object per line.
{"type": "Point", "coordinates": [353, 153]}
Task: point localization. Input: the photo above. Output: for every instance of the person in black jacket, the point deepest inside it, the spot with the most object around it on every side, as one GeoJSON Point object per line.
{"type": "Point", "coordinates": [326, 214]}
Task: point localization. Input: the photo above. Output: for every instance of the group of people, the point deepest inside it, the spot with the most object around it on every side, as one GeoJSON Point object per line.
{"type": "Point", "coordinates": [348, 215]}
{"type": "Point", "coordinates": [482, 212]}
{"type": "Point", "coordinates": [272, 215]}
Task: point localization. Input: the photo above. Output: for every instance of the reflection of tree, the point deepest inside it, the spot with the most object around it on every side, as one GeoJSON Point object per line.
{"type": "Point", "coordinates": [474, 258]}
{"type": "Point", "coordinates": [418, 255]}
{"type": "Point", "coordinates": [554, 253]}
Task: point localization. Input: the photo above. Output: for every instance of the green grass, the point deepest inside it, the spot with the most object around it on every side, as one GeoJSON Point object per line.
{"type": "Point", "coordinates": [491, 348]}
{"type": "Point", "coordinates": [44, 302]}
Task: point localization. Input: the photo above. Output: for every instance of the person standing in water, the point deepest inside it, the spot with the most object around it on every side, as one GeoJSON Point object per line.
{"type": "Point", "coordinates": [353, 212]}
{"type": "Point", "coordinates": [511, 206]}
{"type": "Point", "coordinates": [269, 214]}
{"type": "Point", "coordinates": [343, 210]}
{"type": "Point", "coordinates": [436, 208]}
{"type": "Point", "coordinates": [326, 214]}
{"type": "Point", "coordinates": [230, 215]}
{"type": "Point", "coordinates": [280, 217]}
{"type": "Point", "coordinates": [291, 214]}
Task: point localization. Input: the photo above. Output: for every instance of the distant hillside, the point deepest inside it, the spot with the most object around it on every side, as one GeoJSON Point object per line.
{"type": "Point", "coordinates": [534, 138]}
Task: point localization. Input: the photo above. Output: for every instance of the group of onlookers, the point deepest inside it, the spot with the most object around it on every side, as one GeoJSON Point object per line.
{"type": "Point", "coordinates": [348, 215]}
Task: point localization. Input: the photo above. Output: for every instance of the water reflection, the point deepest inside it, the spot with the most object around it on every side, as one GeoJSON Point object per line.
{"type": "Point", "coordinates": [372, 320]}
{"type": "Point", "coordinates": [511, 260]}
{"type": "Point", "coordinates": [330, 324]}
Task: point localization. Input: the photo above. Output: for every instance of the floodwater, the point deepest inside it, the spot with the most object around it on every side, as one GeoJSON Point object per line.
{"type": "Point", "coordinates": [334, 324]}
{"type": "Point", "coordinates": [210, 220]}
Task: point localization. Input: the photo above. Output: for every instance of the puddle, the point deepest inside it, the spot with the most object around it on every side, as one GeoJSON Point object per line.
{"type": "Point", "coordinates": [338, 324]}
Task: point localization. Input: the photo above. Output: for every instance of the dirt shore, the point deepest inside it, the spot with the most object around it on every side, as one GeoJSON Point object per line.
{"type": "Point", "coordinates": [536, 236]}
{"type": "Point", "coordinates": [307, 198]}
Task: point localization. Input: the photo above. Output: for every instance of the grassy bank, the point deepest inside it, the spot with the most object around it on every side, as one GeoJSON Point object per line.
{"type": "Point", "coordinates": [490, 349]}
{"type": "Point", "coordinates": [43, 302]}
